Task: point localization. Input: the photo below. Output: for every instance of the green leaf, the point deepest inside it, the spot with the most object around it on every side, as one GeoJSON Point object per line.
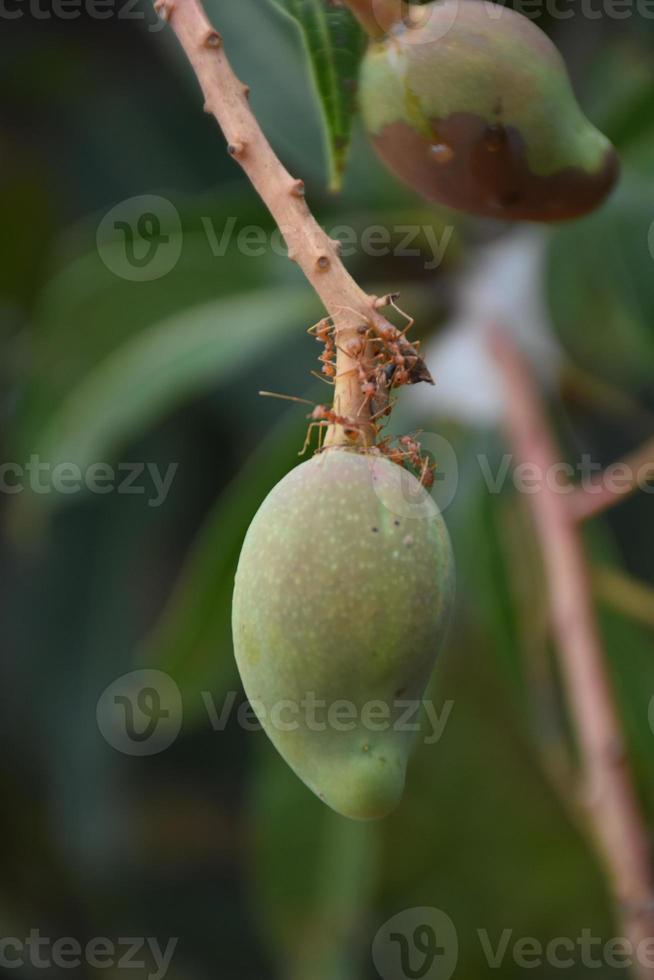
{"type": "Point", "coordinates": [600, 287]}
{"type": "Point", "coordinates": [85, 311]}
{"type": "Point", "coordinates": [153, 372]}
{"type": "Point", "coordinates": [335, 44]}
{"type": "Point", "coordinates": [628, 650]}
{"type": "Point", "coordinates": [315, 874]}
{"type": "Point", "coordinates": [444, 853]}
{"type": "Point", "coordinates": [192, 640]}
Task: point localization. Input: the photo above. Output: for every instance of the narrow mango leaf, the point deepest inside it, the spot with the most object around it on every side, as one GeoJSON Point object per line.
{"type": "Point", "coordinates": [600, 287]}
{"type": "Point", "coordinates": [628, 647]}
{"type": "Point", "coordinates": [192, 640]}
{"type": "Point", "coordinates": [436, 851]}
{"type": "Point", "coordinates": [86, 311]}
{"type": "Point", "coordinates": [315, 907]}
{"type": "Point", "coordinates": [172, 360]}
{"type": "Point", "coordinates": [335, 44]}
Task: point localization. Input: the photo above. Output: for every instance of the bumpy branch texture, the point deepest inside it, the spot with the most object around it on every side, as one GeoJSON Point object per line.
{"type": "Point", "coordinates": [317, 255]}
{"type": "Point", "coordinates": [617, 824]}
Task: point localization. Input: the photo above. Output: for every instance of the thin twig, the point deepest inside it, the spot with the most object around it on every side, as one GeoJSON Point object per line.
{"type": "Point", "coordinates": [615, 819]}
{"type": "Point", "coordinates": [226, 98]}
{"type": "Point", "coordinates": [616, 483]}
{"type": "Point", "coordinates": [522, 558]}
{"type": "Point", "coordinates": [625, 594]}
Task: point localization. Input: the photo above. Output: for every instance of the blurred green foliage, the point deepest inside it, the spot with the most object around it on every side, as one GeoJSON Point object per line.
{"type": "Point", "coordinates": [214, 840]}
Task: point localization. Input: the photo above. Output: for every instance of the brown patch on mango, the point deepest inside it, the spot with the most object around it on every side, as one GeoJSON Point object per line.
{"type": "Point", "coordinates": [486, 171]}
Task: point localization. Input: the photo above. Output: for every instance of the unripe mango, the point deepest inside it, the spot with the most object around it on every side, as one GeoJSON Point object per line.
{"type": "Point", "coordinates": [472, 107]}
{"type": "Point", "coordinates": [342, 594]}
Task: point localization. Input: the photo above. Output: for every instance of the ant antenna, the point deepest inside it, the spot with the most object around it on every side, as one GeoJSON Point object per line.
{"type": "Point", "coordinates": [289, 398]}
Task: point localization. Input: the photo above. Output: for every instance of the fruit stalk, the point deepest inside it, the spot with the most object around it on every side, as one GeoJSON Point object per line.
{"type": "Point", "coordinates": [616, 822]}
{"type": "Point", "coordinates": [226, 98]}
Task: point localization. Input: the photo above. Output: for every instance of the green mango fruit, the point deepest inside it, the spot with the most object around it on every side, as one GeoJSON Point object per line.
{"type": "Point", "coordinates": [470, 104]}
{"type": "Point", "coordinates": [342, 594]}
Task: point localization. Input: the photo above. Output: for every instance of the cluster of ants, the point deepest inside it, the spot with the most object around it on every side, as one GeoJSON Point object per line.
{"type": "Point", "coordinates": [385, 359]}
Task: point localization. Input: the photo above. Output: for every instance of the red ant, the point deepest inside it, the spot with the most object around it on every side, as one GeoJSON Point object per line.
{"type": "Point", "coordinates": [399, 362]}
{"type": "Point", "coordinates": [323, 332]}
{"type": "Point", "coordinates": [322, 417]}
{"type": "Point", "coordinates": [411, 453]}
{"type": "Point", "coordinates": [370, 381]}
{"type": "Point", "coordinates": [411, 367]}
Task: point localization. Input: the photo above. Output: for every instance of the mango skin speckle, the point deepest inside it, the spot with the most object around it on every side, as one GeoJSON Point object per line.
{"type": "Point", "coordinates": [342, 595]}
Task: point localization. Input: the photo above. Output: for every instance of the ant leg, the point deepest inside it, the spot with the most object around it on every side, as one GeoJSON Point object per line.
{"type": "Point", "coordinates": [426, 473]}
{"type": "Point", "coordinates": [321, 377]}
{"type": "Point", "coordinates": [410, 320]}
{"type": "Point", "coordinates": [362, 405]}
{"type": "Point", "coordinates": [324, 321]}
{"type": "Point", "coordinates": [348, 354]}
{"type": "Point", "coordinates": [343, 374]}
{"type": "Point", "coordinates": [383, 411]}
{"type": "Point", "coordinates": [307, 440]}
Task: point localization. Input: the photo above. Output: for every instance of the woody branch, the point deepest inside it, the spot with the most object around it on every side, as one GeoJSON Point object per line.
{"type": "Point", "coordinates": [615, 819]}
{"type": "Point", "coordinates": [226, 98]}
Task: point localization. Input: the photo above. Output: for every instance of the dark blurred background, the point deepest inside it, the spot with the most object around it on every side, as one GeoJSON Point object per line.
{"type": "Point", "coordinates": [129, 369]}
